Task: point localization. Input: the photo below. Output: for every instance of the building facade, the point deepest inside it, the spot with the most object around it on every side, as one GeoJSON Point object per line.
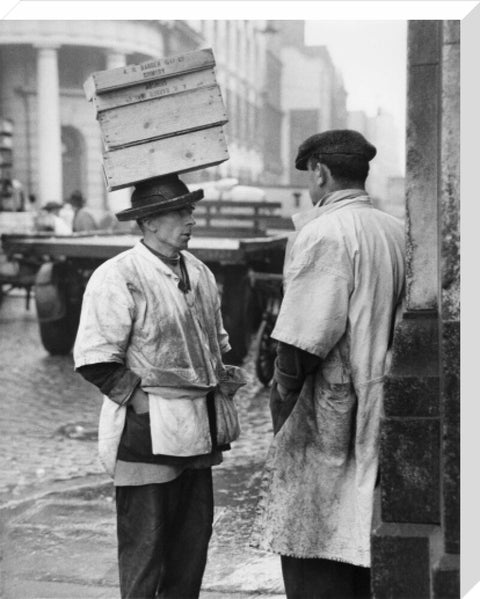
{"type": "Point", "coordinates": [249, 73]}
{"type": "Point", "coordinates": [386, 183]}
{"type": "Point", "coordinates": [313, 95]}
{"type": "Point", "coordinates": [43, 64]}
{"type": "Point", "coordinates": [277, 91]}
{"type": "Point", "coordinates": [312, 98]}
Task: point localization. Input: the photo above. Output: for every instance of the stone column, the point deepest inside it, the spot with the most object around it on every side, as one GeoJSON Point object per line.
{"type": "Point", "coordinates": [120, 199]}
{"type": "Point", "coordinates": [445, 569]}
{"type": "Point", "coordinates": [415, 534]}
{"type": "Point", "coordinates": [49, 127]}
{"type": "Point", "coordinates": [423, 139]}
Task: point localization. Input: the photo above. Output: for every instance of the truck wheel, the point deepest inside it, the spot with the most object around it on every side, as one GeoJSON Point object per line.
{"type": "Point", "coordinates": [265, 352]}
{"type": "Point", "coordinates": [58, 293]}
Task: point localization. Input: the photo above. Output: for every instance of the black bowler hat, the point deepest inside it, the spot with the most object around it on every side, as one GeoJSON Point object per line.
{"type": "Point", "coordinates": [157, 195]}
{"type": "Point", "coordinates": [339, 142]}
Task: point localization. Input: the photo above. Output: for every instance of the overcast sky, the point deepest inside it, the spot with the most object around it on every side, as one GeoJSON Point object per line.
{"type": "Point", "coordinates": [371, 56]}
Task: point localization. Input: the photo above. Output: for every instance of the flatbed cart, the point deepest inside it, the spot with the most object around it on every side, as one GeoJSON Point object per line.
{"type": "Point", "coordinates": [64, 265]}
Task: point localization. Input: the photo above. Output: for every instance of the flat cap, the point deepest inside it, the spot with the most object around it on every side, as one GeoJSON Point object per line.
{"type": "Point", "coordinates": [344, 142]}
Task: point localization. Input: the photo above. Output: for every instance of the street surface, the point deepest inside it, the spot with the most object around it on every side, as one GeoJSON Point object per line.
{"type": "Point", "coordinates": [58, 532]}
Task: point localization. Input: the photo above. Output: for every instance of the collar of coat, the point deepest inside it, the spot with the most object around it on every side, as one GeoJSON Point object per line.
{"type": "Point", "coordinates": [346, 196]}
{"type": "Point", "coordinates": [191, 264]}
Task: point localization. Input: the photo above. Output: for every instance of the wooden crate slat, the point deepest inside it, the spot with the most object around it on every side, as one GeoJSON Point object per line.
{"type": "Point", "coordinates": [227, 216]}
{"type": "Point", "coordinates": [158, 88]}
{"type": "Point", "coordinates": [162, 117]}
{"type": "Point", "coordinates": [228, 219]}
{"type": "Point", "coordinates": [233, 231]}
{"type": "Point", "coordinates": [226, 204]}
{"type": "Point", "coordinates": [103, 81]}
{"type": "Point", "coordinates": [181, 153]}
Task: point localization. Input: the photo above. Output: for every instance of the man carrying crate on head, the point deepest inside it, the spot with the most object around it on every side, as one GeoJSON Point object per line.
{"type": "Point", "coordinates": [151, 339]}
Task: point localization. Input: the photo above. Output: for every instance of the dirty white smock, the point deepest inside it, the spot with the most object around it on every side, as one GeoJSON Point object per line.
{"type": "Point", "coordinates": [343, 284]}
{"type": "Point", "coordinates": [133, 313]}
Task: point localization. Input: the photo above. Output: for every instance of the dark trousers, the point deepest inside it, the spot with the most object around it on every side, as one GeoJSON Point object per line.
{"type": "Point", "coordinates": [324, 579]}
{"type": "Point", "coordinates": [163, 533]}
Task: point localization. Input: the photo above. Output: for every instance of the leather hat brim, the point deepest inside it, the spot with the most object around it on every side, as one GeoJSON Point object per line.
{"type": "Point", "coordinates": [160, 206]}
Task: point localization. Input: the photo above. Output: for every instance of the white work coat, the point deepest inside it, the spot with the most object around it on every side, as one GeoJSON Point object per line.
{"type": "Point", "coordinates": [133, 313]}
{"type": "Point", "coordinates": [343, 285]}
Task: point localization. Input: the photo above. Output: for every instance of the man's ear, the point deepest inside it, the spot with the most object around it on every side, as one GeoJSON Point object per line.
{"type": "Point", "coordinates": [149, 224]}
{"type": "Point", "coordinates": [323, 174]}
{"type": "Point", "coordinates": [316, 172]}
{"type": "Point", "coordinates": [319, 173]}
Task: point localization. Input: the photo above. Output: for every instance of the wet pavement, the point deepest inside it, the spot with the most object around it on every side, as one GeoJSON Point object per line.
{"type": "Point", "coordinates": [58, 514]}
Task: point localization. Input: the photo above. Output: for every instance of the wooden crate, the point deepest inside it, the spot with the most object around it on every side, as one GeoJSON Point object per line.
{"type": "Point", "coordinates": [162, 117]}
{"type": "Point", "coordinates": [103, 81]}
{"type": "Point", "coordinates": [177, 154]}
{"type": "Point", "coordinates": [158, 88]}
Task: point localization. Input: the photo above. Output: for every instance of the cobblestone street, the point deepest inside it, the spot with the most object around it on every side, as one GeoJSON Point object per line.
{"type": "Point", "coordinates": [48, 439]}
{"type": "Point", "coordinates": [49, 413]}
{"type": "Point", "coordinates": [40, 397]}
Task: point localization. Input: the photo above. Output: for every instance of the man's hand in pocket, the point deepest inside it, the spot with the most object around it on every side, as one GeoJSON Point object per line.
{"type": "Point", "coordinates": [282, 402]}
{"type": "Point", "coordinates": [139, 401]}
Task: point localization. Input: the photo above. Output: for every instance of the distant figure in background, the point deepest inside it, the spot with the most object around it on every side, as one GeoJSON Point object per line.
{"type": "Point", "coordinates": [31, 204]}
{"type": "Point", "coordinates": [82, 218]}
{"type": "Point", "coordinates": [12, 198]}
{"type": "Point", "coordinates": [48, 219]}
{"type": "Point", "coordinates": [67, 214]}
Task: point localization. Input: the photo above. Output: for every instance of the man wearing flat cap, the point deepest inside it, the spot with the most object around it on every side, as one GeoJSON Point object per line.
{"type": "Point", "coordinates": [343, 287]}
{"type": "Point", "coordinates": [151, 339]}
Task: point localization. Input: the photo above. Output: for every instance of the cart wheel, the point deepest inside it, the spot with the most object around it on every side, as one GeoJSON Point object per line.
{"type": "Point", "coordinates": [56, 337]}
{"type": "Point", "coordinates": [235, 304]}
{"type": "Point", "coordinates": [58, 302]}
{"type": "Point", "coordinates": [266, 353]}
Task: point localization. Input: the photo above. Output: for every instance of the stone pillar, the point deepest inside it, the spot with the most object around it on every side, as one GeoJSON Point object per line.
{"type": "Point", "coordinates": [411, 431]}
{"type": "Point", "coordinates": [49, 128]}
{"type": "Point", "coordinates": [120, 199]}
{"type": "Point", "coordinates": [415, 533]}
{"type": "Point", "coordinates": [423, 138]}
{"type": "Point", "coordinates": [445, 570]}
